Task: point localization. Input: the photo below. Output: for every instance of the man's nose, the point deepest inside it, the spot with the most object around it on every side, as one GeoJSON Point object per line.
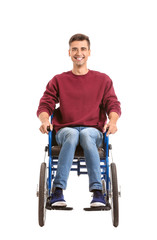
{"type": "Point", "coordinates": [79, 52]}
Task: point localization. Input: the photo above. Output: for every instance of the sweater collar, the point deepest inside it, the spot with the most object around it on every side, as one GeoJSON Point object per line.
{"type": "Point", "coordinates": [84, 75]}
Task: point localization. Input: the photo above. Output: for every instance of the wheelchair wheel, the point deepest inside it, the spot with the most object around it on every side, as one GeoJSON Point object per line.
{"type": "Point", "coordinates": [42, 195]}
{"type": "Point", "coordinates": [114, 195]}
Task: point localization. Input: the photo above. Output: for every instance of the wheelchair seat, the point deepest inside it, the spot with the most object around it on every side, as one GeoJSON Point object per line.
{"type": "Point", "coordinates": [79, 151]}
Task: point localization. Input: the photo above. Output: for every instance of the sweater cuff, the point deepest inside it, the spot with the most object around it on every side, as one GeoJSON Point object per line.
{"type": "Point", "coordinates": [115, 110]}
{"type": "Point", "coordinates": [43, 110]}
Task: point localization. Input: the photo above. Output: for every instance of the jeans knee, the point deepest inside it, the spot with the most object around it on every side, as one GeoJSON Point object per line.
{"type": "Point", "coordinates": [90, 136]}
{"type": "Point", "coordinates": [72, 137]}
{"type": "Point", "coordinates": [86, 138]}
{"type": "Point", "coordinates": [69, 135]}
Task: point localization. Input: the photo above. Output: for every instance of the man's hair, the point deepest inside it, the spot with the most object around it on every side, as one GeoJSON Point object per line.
{"type": "Point", "coordinates": [79, 37]}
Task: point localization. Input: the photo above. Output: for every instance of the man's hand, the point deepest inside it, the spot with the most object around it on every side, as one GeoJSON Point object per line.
{"type": "Point", "coordinates": [111, 126]}
{"type": "Point", "coordinates": [44, 118]}
{"type": "Point", "coordinates": [44, 126]}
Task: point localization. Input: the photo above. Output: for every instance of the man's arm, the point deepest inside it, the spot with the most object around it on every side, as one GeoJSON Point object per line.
{"type": "Point", "coordinates": [47, 105]}
{"type": "Point", "coordinates": [112, 108]}
{"type": "Point", "coordinates": [112, 125]}
{"type": "Point", "coordinates": [44, 118]}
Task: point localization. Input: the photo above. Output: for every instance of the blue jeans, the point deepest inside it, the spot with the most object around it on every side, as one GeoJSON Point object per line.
{"type": "Point", "coordinates": [90, 139]}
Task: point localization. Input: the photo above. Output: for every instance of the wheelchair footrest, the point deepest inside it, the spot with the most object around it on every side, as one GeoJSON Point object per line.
{"type": "Point", "coordinates": [102, 208]}
{"type": "Point", "coordinates": [61, 208]}
{"type": "Point", "coordinates": [49, 207]}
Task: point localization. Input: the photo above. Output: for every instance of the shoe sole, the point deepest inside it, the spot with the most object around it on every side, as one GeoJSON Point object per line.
{"type": "Point", "coordinates": [59, 204]}
{"type": "Point", "coordinates": [97, 204]}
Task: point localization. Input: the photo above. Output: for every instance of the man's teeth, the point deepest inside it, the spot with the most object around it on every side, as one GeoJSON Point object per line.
{"type": "Point", "coordinates": [79, 58]}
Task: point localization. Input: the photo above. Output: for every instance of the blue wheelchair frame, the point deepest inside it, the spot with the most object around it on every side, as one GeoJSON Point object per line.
{"type": "Point", "coordinates": [104, 167]}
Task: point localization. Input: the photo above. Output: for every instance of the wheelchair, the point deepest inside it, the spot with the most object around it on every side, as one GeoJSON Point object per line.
{"type": "Point", "coordinates": [108, 176]}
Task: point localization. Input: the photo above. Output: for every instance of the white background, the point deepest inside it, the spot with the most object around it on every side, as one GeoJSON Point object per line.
{"type": "Point", "coordinates": [34, 48]}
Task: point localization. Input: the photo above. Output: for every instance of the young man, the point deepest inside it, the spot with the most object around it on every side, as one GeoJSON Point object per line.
{"type": "Point", "coordinates": [85, 97]}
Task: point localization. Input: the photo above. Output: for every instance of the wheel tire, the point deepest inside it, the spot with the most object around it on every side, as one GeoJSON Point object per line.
{"type": "Point", "coordinates": [114, 195]}
{"type": "Point", "coordinates": [42, 195]}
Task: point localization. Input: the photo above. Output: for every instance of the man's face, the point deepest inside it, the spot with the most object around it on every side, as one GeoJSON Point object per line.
{"type": "Point", "coordinates": [79, 52]}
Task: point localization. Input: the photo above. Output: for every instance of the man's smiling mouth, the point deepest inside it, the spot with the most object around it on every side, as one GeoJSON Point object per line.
{"type": "Point", "coordinates": [79, 58]}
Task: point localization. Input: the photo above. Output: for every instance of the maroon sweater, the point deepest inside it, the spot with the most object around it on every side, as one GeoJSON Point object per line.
{"type": "Point", "coordinates": [84, 99]}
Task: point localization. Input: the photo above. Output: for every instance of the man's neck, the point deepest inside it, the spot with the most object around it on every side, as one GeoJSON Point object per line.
{"type": "Point", "coordinates": [80, 71]}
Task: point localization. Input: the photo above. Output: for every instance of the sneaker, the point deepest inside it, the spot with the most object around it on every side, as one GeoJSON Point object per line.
{"type": "Point", "coordinates": [57, 198]}
{"type": "Point", "coordinates": [98, 199]}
